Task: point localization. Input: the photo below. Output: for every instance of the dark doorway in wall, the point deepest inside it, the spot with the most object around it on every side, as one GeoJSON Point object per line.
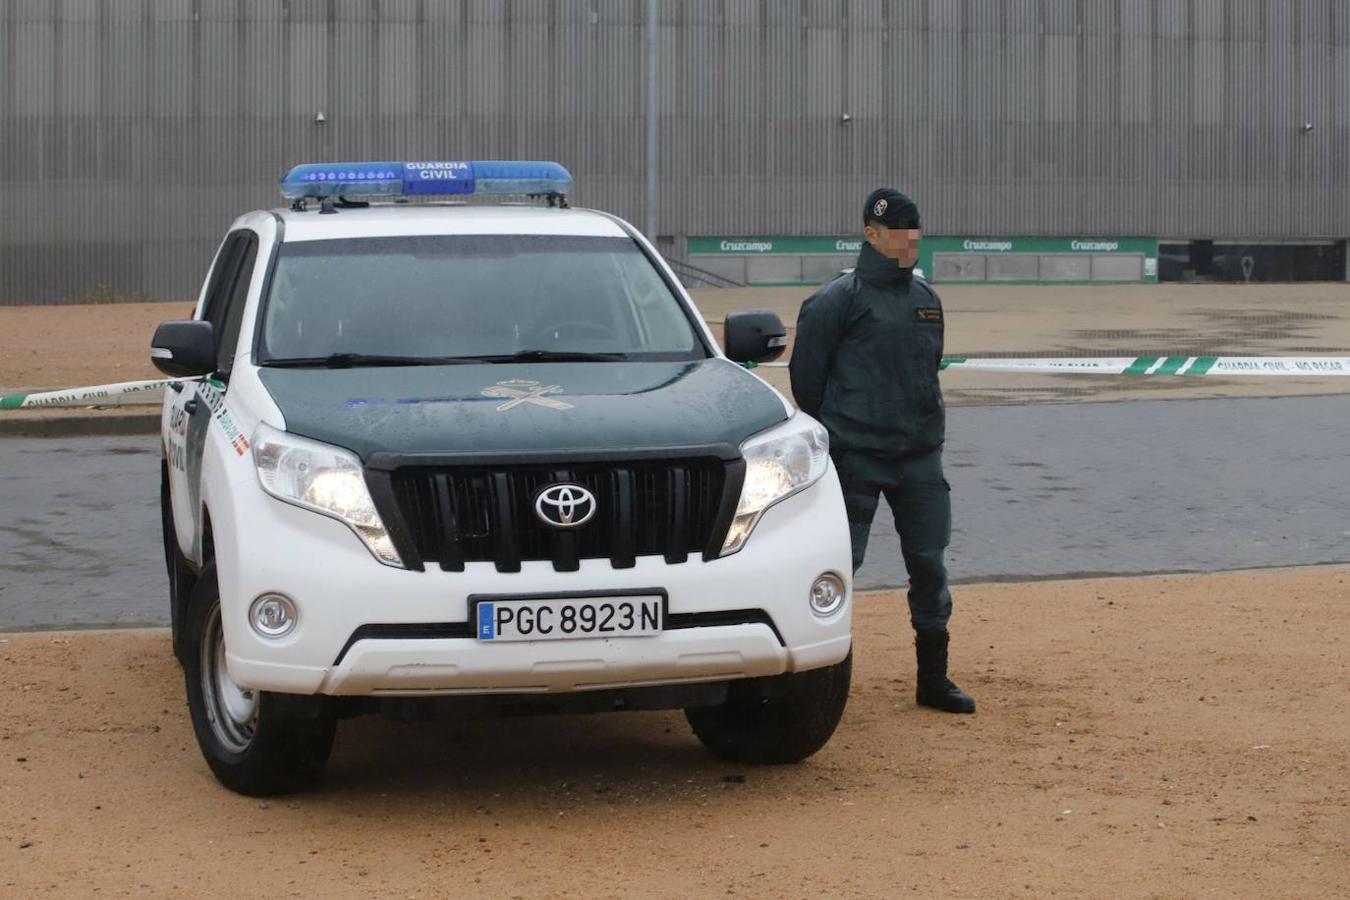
{"type": "Point", "coordinates": [1238, 261]}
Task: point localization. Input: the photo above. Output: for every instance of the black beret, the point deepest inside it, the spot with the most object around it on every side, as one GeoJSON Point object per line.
{"type": "Point", "coordinates": [891, 208]}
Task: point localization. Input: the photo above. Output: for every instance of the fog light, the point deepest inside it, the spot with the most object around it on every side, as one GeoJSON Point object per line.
{"type": "Point", "coordinates": [827, 594]}
{"type": "Point", "coordinates": [273, 615]}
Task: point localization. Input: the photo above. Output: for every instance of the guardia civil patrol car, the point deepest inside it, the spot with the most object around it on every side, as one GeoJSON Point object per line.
{"type": "Point", "coordinates": [429, 456]}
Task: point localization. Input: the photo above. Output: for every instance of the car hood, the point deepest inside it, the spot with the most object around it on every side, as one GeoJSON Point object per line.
{"type": "Point", "coordinates": [525, 408]}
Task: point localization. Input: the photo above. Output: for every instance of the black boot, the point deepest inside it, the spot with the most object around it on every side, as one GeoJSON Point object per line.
{"type": "Point", "coordinates": [935, 688]}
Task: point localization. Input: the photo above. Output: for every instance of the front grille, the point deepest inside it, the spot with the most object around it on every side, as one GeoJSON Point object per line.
{"type": "Point", "coordinates": [456, 515]}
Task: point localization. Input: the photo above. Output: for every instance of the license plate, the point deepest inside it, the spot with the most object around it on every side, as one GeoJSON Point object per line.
{"type": "Point", "coordinates": [553, 620]}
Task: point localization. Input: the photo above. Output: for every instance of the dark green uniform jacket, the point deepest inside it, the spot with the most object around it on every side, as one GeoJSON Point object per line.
{"type": "Point", "coordinates": [865, 362]}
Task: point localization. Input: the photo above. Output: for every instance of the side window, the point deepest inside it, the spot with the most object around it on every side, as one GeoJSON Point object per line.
{"type": "Point", "coordinates": [227, 293]}
{"type": "Point", "coordinates": [228, 329]}
{"type": "Point", "coordinates": [218, 288]}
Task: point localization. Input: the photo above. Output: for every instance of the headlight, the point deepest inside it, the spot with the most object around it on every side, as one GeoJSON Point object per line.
{"type": "Point", "coordinates": [324, 479]}
{"type": "Point", "coordinates": [778, 463]}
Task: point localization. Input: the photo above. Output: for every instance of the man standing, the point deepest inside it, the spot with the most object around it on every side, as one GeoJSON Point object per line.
{"type": "Point", "coordinates": [865, 363]}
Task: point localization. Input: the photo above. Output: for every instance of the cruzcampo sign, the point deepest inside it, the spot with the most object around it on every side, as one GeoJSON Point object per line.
{"type": "Point", "coordinates": [776, 244]}
{"type": "Point", "coordinates": [745, 245]}
{"type": "Point", "coordinates": [1043, 246]}
{"type": "Point", "coordinates": [849, 245]}
{"type": "Point", "coordinates": [1095, 245]}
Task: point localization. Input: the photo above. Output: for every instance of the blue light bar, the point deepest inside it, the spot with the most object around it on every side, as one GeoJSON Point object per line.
{"type": "Point", "coordinates": [399, 179]}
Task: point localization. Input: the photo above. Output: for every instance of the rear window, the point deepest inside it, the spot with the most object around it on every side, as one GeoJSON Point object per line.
{"type": "Point", "coordinates": [473, 295]}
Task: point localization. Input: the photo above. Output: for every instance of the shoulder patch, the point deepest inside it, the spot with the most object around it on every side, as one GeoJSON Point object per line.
{"type": "Point", "coordinates": [928, 313]}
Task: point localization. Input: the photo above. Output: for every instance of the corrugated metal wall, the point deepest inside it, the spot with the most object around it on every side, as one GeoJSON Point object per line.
{"type": "Point", "coordinates": [133, 130]}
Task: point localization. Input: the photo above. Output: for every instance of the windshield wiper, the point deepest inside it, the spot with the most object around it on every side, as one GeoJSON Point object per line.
{"type": "Point", "coordinates": [549, 356]}
{"type": "Point", "coordinates": [360, 360]}
{"type": "Point", "coordinates": [364, 360]}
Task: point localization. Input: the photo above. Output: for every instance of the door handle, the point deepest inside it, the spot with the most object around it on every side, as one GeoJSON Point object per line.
{"type": "Point", "coordinates": [190, 407]}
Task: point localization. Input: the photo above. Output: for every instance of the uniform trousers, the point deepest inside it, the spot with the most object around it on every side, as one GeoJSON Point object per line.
{"type": "Point", "coordinates": [920, 498]}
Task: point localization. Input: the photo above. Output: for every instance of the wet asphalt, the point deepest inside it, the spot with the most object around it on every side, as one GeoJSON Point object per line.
{"type": "Point", "coordinates": [1039, 492]}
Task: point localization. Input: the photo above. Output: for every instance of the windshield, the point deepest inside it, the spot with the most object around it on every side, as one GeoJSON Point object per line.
{"type": "Point", "coordinates": [406, 299]}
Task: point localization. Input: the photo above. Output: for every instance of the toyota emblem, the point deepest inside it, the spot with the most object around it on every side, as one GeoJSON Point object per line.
{"type": "Point", "coordinates": [564, 505]}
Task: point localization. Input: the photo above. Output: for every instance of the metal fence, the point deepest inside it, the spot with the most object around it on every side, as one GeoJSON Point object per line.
{"type": "Point", "coordinates": [131, 131]}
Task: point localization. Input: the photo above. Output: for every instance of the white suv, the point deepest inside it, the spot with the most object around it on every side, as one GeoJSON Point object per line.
{"type": "Point", "coordinates": [449, 452]}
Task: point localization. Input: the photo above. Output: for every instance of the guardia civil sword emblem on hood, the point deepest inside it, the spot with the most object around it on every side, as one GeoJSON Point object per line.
{"type": "Point", "coordinates": [518, 392]}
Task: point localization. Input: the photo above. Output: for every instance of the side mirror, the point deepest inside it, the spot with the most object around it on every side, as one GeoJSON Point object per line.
{"type": "Point", "coordinates": [754, 335]}
{"type": "Point", "coordinates": [183, 348]}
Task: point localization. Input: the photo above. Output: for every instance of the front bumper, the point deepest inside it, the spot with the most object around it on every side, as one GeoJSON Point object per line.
{"type": "Point", "coordinates": [368, 629]}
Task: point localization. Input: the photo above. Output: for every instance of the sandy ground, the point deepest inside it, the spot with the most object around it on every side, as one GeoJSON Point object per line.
{"type": "Point", "coordinates": [66, 346]}
{"type": "Point", "coordinates": [1160, 737]}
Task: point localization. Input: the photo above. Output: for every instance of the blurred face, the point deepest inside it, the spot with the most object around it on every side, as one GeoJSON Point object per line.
{"type": "Point", "coordinates": [899, 244]}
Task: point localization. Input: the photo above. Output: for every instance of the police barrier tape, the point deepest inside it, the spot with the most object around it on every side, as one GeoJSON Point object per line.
{"type": "Point", "coordinates": [86, 396]}
{"type": "Point", "coordinates": [1115, 365]}
{"type": "Point", "coordinates": [1154, 365]}
{"type": "Point", "coordinates": [1164, 365]}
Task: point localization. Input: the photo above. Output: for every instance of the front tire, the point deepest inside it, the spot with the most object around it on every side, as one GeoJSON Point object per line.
{"type": "Point", "coordinates": [785, 728]}
{"type": "Point", "coordinates": [257, 743]}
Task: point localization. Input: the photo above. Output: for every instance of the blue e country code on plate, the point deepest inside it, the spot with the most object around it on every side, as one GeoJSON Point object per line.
{"type": "Point", "coordinates": [552, 620]}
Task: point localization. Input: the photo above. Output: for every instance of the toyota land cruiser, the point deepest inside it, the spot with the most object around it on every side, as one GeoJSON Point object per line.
{"type": "Point", "coordinates": [453, 455]}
